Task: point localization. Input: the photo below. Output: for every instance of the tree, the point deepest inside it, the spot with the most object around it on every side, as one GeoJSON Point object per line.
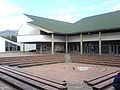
{"type": "Point", "coordinates": [12, 38]}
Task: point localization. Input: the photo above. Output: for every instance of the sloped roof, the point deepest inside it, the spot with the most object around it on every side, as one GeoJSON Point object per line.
{"type": "Point", "coordinates": [94, 23]}
{"type": "Point", "coordinates": [50, 24]}
{"type": "Point", "coordinates": [99, 22]}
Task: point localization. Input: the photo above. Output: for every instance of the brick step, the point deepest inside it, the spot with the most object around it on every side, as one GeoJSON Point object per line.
{"type": "Point", "coordinates": [15, 83]}
{"type": "Point", "coordinates": [42, 84]}
{"type": "Point", "coordinates": [100, 80]}
{"type": "Point", "coordinates": [33, 76]}
{"type": "Point", "coordinates": [104, 84]}
{"type": "Point", "coordinates": [92, 79]}
{"type": "Point", "coordinates": [36, 64]}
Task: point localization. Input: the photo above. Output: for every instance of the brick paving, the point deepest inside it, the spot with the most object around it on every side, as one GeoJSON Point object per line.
{"type": "Point", "coordinates": [73, 73]}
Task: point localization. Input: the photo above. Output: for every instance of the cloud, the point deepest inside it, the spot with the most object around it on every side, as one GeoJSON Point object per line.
{"type": "Point", "coordinates": [67, 14]}
{"type": "Point", "coordinates": [107, 2]}
{"type": "Point", "coordinates": [8, 18]}
{"type": "Point", "coordinates": [8, 9]}
{"type": "Point", "coordinates": [117, 7]}
{"type": "Point", "coordinates": [91, 8]}
{"type": "Point", "coordinates": [11, 22]}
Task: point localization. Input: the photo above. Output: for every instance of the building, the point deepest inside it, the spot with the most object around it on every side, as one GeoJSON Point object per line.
{"type": "Point", "coordinates": [98, 34]}
{"type": "Point", "coordinates": [8, 46]}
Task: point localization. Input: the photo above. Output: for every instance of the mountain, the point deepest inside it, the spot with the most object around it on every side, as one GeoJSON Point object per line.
{"type": "Point", "coordinates": [9, 33]}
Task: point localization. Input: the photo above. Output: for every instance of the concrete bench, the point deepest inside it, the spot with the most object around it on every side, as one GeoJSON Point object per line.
{"type": "Point", "coordinates": [15, 83]}
{"type": "Point", "coordinates": [109, 88]}
{"type": "Point", "coordinates": [89, 80]}
{"type": "Point", "coordinates": [39, 77]}
{"type": "Point", "coordinates": [33, 76]}
{"type": "Point", "coordinates": [35, 83]}
{"type": "Point", "coordinates": [94, 82]}
{"type": "Point", "coordinates": [38, 63]}
{"type": "Point", "coordinates": [103, 85]}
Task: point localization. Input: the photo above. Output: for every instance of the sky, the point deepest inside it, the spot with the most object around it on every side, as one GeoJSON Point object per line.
{"type": "Point", "coordinates": [12, 11]}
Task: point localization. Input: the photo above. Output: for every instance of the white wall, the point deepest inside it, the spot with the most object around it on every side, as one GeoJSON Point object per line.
{"type": "Point", "coordinates": [39, 38]}
{"type": "Point", "coordinates": [74, 38]}
{"type": "Point", "coordinates": [91, 37]}
{"type": "Point", "coordinates": [59, 39]}
{"type": "Point", "coordinates": [2, 45]}
{"type": "Point", "coordinates": [111, 36]}
{"type": "Point", "coordinates": [95, 37]}
{"type": "Point", "coordinates": [28, 30]}
{"type": "Point", "coordinates": [30, 47]}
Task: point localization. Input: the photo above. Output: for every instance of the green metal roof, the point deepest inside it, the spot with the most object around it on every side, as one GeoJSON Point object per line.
{"type": "Point", "coordinates": [94, 23]}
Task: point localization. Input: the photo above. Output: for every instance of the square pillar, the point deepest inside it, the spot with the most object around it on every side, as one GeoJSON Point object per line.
{"type": "Point", "coordinates": [66, 44]}
{"type": "Point", "coordinates": [52, 43]}
{"type": "Point", "coordinates": [100, 43]}
{"type": "Point", "coordinates": [81, 43]}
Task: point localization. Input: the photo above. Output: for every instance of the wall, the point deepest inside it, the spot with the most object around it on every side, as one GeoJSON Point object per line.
{"type": "Point", "coordinates": [28, 47]}
{"type": "Point", "coordinates": [28, 30]}
{"type": "Point", "coordinates": [111, 36]}
{"type": "Point", "coordinates": [2, 45]}
{"type": "Point", "coordinates": [39, 38]}
{"type": "Point", "coordinates": [95, 37]}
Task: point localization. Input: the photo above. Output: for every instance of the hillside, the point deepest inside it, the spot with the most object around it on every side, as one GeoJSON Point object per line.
{"type": "Point", "coordinates": [9, 33]}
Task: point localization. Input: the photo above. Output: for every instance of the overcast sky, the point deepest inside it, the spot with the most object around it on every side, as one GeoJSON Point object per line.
{"type": "Point", "coordinates": [11, 16]}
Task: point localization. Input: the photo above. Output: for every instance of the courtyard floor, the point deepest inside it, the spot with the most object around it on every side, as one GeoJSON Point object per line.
{"type": "Point", "coordinates": [72, 73]}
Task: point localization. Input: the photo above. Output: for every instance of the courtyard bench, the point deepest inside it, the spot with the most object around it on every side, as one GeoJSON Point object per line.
{"type": "Point", "coordinates": [35, 82]}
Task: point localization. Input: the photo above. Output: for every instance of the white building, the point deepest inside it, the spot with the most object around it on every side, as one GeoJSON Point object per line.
{"type": "Point", "coordinates": [8, 46]}
{"type": "Point", "coordinates": [98, 34]}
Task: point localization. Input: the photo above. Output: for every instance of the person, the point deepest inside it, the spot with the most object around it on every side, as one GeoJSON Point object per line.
{"type": "Point", "coordinates": [116, 82]}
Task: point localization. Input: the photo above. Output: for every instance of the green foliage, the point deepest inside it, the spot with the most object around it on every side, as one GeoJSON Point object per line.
{"type": "Point", "coordinates": [12, 38]}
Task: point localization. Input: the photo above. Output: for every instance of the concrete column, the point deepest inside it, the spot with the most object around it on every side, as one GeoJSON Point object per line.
{"type": "Point", "coordinates": [100, 43]}
{"type": "Point", "coordinates": [52, 43]}
{"type": "Point", "coordinates": [81, 43]}
{"type": "Point", "coordinates": [66, 44]}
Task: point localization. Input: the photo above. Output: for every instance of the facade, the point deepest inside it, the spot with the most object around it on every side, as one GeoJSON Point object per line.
{"type": "Point", "coordinates": [98, 34]}
{"type": "Point", "coordinates": [8, 46]}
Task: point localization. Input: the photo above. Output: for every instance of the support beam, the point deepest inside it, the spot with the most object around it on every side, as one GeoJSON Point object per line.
{"type": "Point", "coordinates": [52, 43]}
{"type": "Point", "coordinates": [81, 43]}
{"type": "Point", "coordinates": [100, 43]}
{"type": "Point", "coordinates": [66, 44]}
